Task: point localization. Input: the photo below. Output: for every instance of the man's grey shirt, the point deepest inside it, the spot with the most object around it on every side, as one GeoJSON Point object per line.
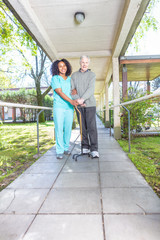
{"type": "Point", "coordinates": [84, 83]}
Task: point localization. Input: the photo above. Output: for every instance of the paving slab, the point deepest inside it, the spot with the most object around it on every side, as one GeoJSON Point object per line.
{"type": "Point", "coordinates": [72, 200]}
{"type": "Point", "coordinates": [113, 157]}
{"type": "Point", "coordinates": [6, 197]}
{"type": "Point", "coordinates": [13, 227]}
{"type": "Point", "coordinates": [122, 179]}
{"type": "Point", "coordinates": [80, 166]}
{"type": "Point", "coordinates": [33, 181]}
{"type": "Point", "coordinates": [117, 166]}
{"type": "Point", "coordinates": [141, 227]}
{"type": "Point", "coordinates": [103, 145]}
{"type": "Point", "coordinates": [130, 200]}
{"type": "Point", "coordinates": [45, 168]}
{"type": "Point", "coordinates": [50, 152]}
{"type": "Point", "coordinates": [50, 159]}
{"type": "Point", "coordinates": [81, 159]}
{"type": "Point", "coordinates": [66, 227]}
{"type": "Point", "coordinates": [117, 150]}
{"type": "Point", "coordinates": [79, 180]}
{"type": "Point", "coordinates": [22, 201]}
{"type": "Point", "coordinates": [103, 136]}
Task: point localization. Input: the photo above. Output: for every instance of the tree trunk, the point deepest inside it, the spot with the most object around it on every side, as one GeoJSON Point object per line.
{"type": "Point", "coordinates": [40, 103]}
{"type": "Point", "coordinates": [36, 74]}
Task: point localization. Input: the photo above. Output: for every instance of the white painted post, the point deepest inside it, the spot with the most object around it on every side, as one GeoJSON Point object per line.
{"type": "Point", "coordinates": [116, 98]}
{"type": "Point", "coordinates": [106, 107]}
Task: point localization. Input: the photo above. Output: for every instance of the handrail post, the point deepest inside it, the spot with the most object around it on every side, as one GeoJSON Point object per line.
{"type": "Point", "coordinates": [110, 121]}
{"type": "Point", "coordinates": [38, 130]}
{"type": "Point", "coordinates": [129, 133]}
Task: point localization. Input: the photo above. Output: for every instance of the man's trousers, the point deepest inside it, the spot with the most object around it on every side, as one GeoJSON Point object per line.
{"type": "Point", "coordinates": [89, 128]}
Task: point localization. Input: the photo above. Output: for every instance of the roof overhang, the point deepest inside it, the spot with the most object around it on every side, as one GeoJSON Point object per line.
{"type": "Point", "coordinates": [105, 33]}
{"type": "Point", "coordinates": [140, 68]}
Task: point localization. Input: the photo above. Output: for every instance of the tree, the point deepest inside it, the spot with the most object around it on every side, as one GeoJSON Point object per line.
{"type": "Point", "coordinates": [48, 102]}
{"type": "Point", "coordinates": [5, 81]}
{"type": "Point", "coordinates": [140, 113]}
{"type": "Point", "coordinates": [15, 39]}
{"type": "Point", "coordinates": [148, 22]}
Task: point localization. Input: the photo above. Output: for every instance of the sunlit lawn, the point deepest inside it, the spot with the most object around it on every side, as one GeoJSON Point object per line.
{"type": "Point", "coordinates": [145, 154]}
{"type": "Point", "coordinates": [18, 146]}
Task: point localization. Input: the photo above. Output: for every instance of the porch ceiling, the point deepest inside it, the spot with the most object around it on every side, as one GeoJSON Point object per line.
{"type": "Point", "coordinates": [105, 32]}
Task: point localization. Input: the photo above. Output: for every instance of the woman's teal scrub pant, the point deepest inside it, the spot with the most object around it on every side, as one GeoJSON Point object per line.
{"type": "Point", "coordinates": [63, 119]}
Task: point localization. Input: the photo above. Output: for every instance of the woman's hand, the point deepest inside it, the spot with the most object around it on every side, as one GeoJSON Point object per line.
{"type": "Point", "coordinates": [74, 102]}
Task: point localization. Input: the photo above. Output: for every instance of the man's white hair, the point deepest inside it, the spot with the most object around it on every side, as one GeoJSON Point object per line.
{"type": "Point", "coordinates": [84, 56]}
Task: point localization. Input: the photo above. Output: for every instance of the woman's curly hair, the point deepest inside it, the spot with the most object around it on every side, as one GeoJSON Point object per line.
{"type": "Point", "coordinates": [54, 67]}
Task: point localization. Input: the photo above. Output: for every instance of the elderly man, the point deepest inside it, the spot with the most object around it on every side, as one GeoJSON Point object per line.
{"type": "Point", "coordinates": [83, 85]}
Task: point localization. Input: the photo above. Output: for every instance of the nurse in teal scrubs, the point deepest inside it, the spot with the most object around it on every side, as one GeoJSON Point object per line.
{"type": "Point", "coordinates": [63, 105]}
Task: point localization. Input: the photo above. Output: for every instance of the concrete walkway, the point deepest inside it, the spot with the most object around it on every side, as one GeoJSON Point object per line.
{"type": "Point", "coordinates": [105, 199]}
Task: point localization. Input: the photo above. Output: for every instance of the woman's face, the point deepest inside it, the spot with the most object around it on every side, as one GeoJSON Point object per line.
{"type": "Point", "coordinates": [62, 68]}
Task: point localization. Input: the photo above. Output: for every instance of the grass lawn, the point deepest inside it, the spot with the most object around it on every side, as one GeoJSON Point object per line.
{"type": "Point", "coordinates": [18, 147]}
{"type": "Point", "coordinates": [145, 154]}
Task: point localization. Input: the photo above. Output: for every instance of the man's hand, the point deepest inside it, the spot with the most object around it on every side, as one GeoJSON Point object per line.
{"type": "Point", "coordinates": [74, 92]}
{"type": "Point", "coordinates": [80, 101]}
{"type": "Point", "coordinates": [83, 105]}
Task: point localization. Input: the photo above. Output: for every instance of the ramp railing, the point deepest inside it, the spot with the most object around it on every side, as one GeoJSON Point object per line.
{"type": "Point", "coordinates": [153, 95]}
{"type": "Point", "coordinates": [18, 105]}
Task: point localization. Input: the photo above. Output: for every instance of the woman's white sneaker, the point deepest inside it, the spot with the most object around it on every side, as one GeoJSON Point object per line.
{"type": "Point", "coordinates": [59, 156]}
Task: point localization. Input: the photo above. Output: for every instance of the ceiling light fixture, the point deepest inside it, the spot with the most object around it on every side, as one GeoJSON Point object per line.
{"type": "Point", "coordinates": [79, 17]}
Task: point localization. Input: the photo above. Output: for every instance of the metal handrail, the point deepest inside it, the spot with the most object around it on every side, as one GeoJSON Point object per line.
{"type": "Point", "coordinates": [129, 132]}
{"type": "Point", "coordinates": [153, 95]}
{"type": "Point", "coordinates": [18, 105]}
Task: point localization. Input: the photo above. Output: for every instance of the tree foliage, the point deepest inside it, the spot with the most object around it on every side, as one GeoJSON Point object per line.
{"type": "Point", "coordinates": [148, 22]}
{"type": "Point", "coordinates": [156, 83]}
{"type": "Point", "coordinates": [31, 58]}
{"type": "Point", "coordinates": [14, 39]}
{"type": "Point", "coordinates": [141, 114]}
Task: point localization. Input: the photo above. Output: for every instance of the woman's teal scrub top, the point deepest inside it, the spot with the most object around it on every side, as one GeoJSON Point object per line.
{"type": "Point", "coordinates": [58, 82]}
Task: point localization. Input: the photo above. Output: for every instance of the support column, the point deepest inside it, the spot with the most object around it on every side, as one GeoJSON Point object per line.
{"type": "Point", "coordinates": [124, 95]}
{"type": "Point", "coordinates": [116, 98]}
{"type": "Point", "coordinates": [100, 102]}
{"type": "Point", "coordinates": [148, 87]}
{"type": "Point", "coordinates": [3, 117]}
{"type": "Point", "coordinates": [14, 114]}
{"type": "Point", "coordinates": [124, 82]}
{"type": "Point", "coordinates": [148, 77]}
{"type": "Point", "coordinates": [107, 125]}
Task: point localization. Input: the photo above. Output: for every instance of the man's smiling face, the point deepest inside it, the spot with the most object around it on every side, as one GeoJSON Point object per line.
{"type": "Point", "coordinates": [84, 63]}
